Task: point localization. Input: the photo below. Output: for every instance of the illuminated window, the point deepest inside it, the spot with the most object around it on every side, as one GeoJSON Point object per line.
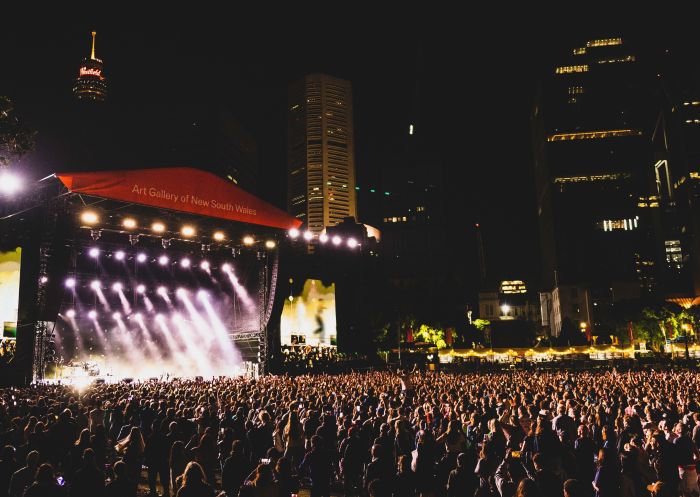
{"type": "Point", "coordinates": [694, 102]}
{"type": "Point", "coordinates": [605, 42]}
{"type": "Point", "coordinates": [593, 135]}
{"type": "Point", "coordinates": [513, 286]}
{"type": "Point", "coordinates": [593, 177]}
{"type": "Point", "coordinates": [694, 175]}
{"type": "Point", "coordinates": [571, 69]}
{"type": "Point", "coordinates": [628, 58]}
{"type": "Point", "coordinates": [692, 121]}
{"type": "Point", "coordinates": [618, 224]}
{"type": "Point", "coordinates": [576, 90]}
{"type": "Point", "coordinates": [580, 51]}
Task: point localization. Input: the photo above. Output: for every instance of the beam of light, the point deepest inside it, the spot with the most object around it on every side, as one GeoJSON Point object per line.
{"type": "Point", "coordinates": [94, 252]}
{"type": "Point", "coordinates": [119, 255]}
{"type": "Point", "coordinates": [70, 282]}
{"type": "Point", "coordinates": [141, 289]}
{"type": "Point", "coordinates": [117, 287]}
{"type": "Point", "coordinates": [201, 327]}
{"type": "Point", "coordinates": [226, 267]}
{"type": "Point", "coordinates": [240, 290]}
{"type": "Point", "coordinates": [323, 238]}
{"type": "Point", "coordinates": [92, 315]}
{"type": "Point", "coordinates": [10, 183]}
{"type": "Point", "coordinates": [141, 257]}
{"type": "Point", "coordinates": [173, 347]}
{"type": "Point", "coordinates": [225, 344]}
{"type": "Point", "coordinates": [194, 350]}
{"type": "Point", "coordinates": [70, 313]}
{"type": "Point", "coordinates": [185, 263]}
{"type": "Point", "coordinates": [163, 260]}
{"type": "Point", "coordinates": [101, 297]}
{"type": "Point", "coordinates": [126, 307]}
{"type": "Point", "coordinates": [149, 304]}
{"type": "Point", "coordinates": [154, 352]}
{"type": "Point", "coordinates": [293, 233]}
{"type": "Point", "coordinates": [205, 266]}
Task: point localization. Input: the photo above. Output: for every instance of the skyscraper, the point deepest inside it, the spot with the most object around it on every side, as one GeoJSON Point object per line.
{"type": "Point", "coordinates": [321, 151]}
{"type": "Point", "coordinates": [91, 84]}
{"type": "Point", "coordinates": [596, 174]}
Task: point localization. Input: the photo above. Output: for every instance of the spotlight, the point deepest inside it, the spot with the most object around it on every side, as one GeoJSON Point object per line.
{"type": "Point", "coordinates": [202, 295]}
{"type": "Point", "coordinates": [165, 242]}
{"type": "Point", "coordinates": [162, 291]}
{"type": "Point", "coordinates": [293, 233]}
{"type": "Point", "coordinates": [308, 235]}
{"type": "Point", "coordinates": [95, 234]}
{"type": "Point", "coordinates": [270, 244]}
{"type": "Point", "coordinates": [70, 282]}
{"type": "Point", "coordinates": [90, 218]}
{"type": "Point", "coordinates": [336, 240]}
{"type": "Point", "coordinates": [141, 289]}
{"type": "Point", "coordinates": [129, 223]}
{"type": "Point", "coordinates": [95, 285]}
{"type": "Point", "coordinates": [352, 243]}
{"type": "Point", "coordinates": [119, 255]}
{"type": "Point", "coordinates": [204, 265]}
{"type": "Point", "coordinates": [323, 238]}
{"type": "Point", "coordinates": [141, 257]}
{"type": "Point", "coordinates": [94, 252]}
{"type": "Point", "coordinates": [160, 317]}
{"type": "Point", "coordinates": [70, 313]}
{"type": "Point", "coordinates": [138, 316]}
{"type": "Point", "coordinates": [92, 314]}
{"type": "Point", "coordinates": [158, 227]}
{"type": "Point", "coordinates": [185, 263]}
{"type": "Point", "coordinates": [219, 236]}
{"type": "Point", "coordinates": [187, 231]}
{"type": "Point", "coordinates": [226, 268]}
{"type": "Point", "coordinates": [117, 287]}
{"type": "Point", "coordinates": [43, 279]}
{"type": "Point", "coordinates": [248, 240]}
{"type": "Point", "coordinates": [163, 260]}
{"type": "Point", "coordinates": [9, 183]}
{"type": "Point", "coordinates": [116, 316]}
{"type": "Point", "coordinates": [180, 292]}
{"type": "Point", "coordinates": [133, 239]}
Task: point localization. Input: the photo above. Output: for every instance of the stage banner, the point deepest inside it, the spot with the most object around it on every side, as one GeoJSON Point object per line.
{"type": "Point", "coordinates": [181, 189]}
{"type": "Point", "coordinates": [10, 263]}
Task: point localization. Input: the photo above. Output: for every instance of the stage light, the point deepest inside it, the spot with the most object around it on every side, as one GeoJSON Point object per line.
{"type": "Point", "coordinates": [204, 265]}
{"type": "Point", "coordinates": [70, 282]}
{"type": "Point", "coordinates": [219, 236]}
{"type": "Point", "coordinates": [141, 257]}
{"type": "Point", "coordinates": [248, 240]}
{"type": "Point", "coordinates": [336, 240]}
{"type": "Point", "coordinates": [293, 233]}
{"type": "Point", "coordinates": [270, 244]}
{"type": "Point", "coordinates": [9, 183]}
{"type": "Point", "coordinates": [226, 268]}
{"type": "Point", "coordinates": [202, 294]}
{"type": "Point", "coordinates": [94, 252]}
{"type": "Point", "coordinates": [92, 314]}
{"type": "Point", "coordinates": [158, 227]}
{"type": "Point", "coordinates": [352, 243]}
{"type": "Point", "coordinates": [323, 238]}
{"type": "Point", "coordinates": [96, 285]}
{"type": "Point", "coordinates": [119, 255]}
{"type": "Point", "coordinates": [43, 279]}
{"type": "Point", "coordinates": [163, 260]}
{"type": "Point", "coordinates": [185, 263]}
{"type": "Point", "coordinates": [180, 292]}
{"type": "Point", "coordinates": [141, 289]}
{"type": "Point", "coordinates": [187, 231]}
{"type": "Point", "coordinates": [129, 223]}
{"type": "Point", "coordinates": [90, 218]}
{"type": "Point", "coordinates": [505, 308]}
{"type": "Point", "coordinates": [117, 287]}
{"type": "Point", "coordinates": [162, 291]}
{"type": "Point", "coordinates": [160, 317]}
{"type": "Point", "coordinates": [308, 235]}
{"type": "Point", "coordinates": [138, 316]}
{"type": "Point", "coordinates": [116, 316]}
{"type": "Point", "coordinates": [70, 313]}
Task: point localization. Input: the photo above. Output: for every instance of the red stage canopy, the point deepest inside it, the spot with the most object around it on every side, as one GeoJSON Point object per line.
{"type": "Point", "coordinates": [181, 189]}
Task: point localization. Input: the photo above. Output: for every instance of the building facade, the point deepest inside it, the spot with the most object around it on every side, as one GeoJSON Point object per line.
{"type": "Point", "coordinates": [321, 152]}
{"type": "Point", "coordinates": [91, 84]}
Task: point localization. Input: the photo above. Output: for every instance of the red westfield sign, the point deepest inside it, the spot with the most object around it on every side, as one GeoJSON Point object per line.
{"type": "Point", "coordinates": [180, 189]}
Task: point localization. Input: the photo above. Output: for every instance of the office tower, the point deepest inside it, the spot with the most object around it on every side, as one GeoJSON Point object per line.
{"type": "Point", "coordinates": [91, 84]}
{"type": "Point", "coordinates": [595, 173]}
{"type": "Point", "coordinates": [320, 152]}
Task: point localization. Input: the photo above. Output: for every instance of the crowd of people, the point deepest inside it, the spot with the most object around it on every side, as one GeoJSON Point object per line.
{"type": "Point", "coordinates": [303, 358]}
{"type": "Point", "coordinates": [7, 350]}
{"type": "Point", "coordinates": [378, 434]}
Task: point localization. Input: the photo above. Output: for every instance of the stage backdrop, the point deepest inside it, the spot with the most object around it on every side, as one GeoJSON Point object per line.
{"type": "Point", "coordinates": [309, 318]}
{"type": "Point", "coordinates": [9, 291]}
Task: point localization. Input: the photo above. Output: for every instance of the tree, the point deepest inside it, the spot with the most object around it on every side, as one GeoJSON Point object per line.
{"type": "Point", "coordinates": [432, 335]}
{"type": "Point", "coordinates": [15, 139]}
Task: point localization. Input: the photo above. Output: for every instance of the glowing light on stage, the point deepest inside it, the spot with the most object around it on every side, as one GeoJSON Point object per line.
{"type": "Point", "coordinates": [117, 287]}
{"type": "Point", "coordinates": [119, 255]}
{"type": "Point", "coordinates": [308, 235]}
{"type": "Point", "coordinates": [92, 314]}
{"type": "Point", "coordinates": [352, 243]}
{"type": "Point", "coordinates": [70, 282]}
{"type": "Point", "coordinates": [163, 260]}
{"type": "Point", "coordinates": [185, 263]}
{"type": "Point", "coordinates": [219, 236]}
{"type": "Point", "coordinates": [187, 231]}
{"type": "Point", "coordinates": [270, 244]}
{"type": "Point", "coordinates": [43, 279]}
{"type": "Point", "coordinates": [226, 268]}
{"type": "Point", "coordinates": [90, 218]}
{"type": "Point", "coordinates": [9, 183]}
{"type": "Point", "coordinates": [336, 240]}
{"type": "Point", "coordinates": [323, 238]}
{"type": "Point", "coordinates": [180, 293]}
{"type": "Point", "coordinates": [141, 257]}
{"type": "Point", "coordinates": [240, 290]}
{"type": "Point", "coordinates": [160, 317]}
{"type": "Point", "coordinates": [248, 240]}
{"type": "Point", "coordinates": [293, 233]}
{"type": "Point", "coordinates": [141, 289]}
{"type": "Point", "coordinates": [202, 295]}
{"type": "Point", "coordinates": [94, 252]}
{"type": "Point", "coordinates": [162, 291]}
{"type": "Point", "coordinates": [70, 313]}
{"type": "Point", "coordinates": [158, 227]}
{"type": "Point", "coordinates": [129, 223]}
{"type": "Point", "coordinates": [96, 285]}
{"type": "Point", "coordinates": [205, 266]}
{"type": "Point", "coordinates": [116, 316]}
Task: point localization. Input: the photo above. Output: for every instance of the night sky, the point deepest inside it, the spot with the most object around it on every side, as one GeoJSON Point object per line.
{"type": "Point", "coordinates": [478, 77]}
